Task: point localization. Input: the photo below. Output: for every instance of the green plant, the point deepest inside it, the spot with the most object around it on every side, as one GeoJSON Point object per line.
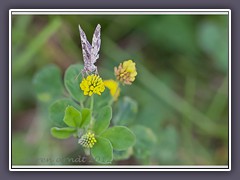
{"type": "Point", "coordinates": [83, 109]}
{"type": "Point", "coordinates": [79, 117]}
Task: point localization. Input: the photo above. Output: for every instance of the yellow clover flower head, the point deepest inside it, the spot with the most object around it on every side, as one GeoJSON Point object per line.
{"type": "Point", "coordinates": [87, 140]}
{"type": "Point", "coordinates": [93, 84]}
{"type": "Point", "coordinates": [113, 87]}
{"type": "Point", "coordinates": [126, 72]}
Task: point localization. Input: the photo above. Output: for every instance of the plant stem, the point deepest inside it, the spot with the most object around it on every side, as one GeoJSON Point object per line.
{"type": "Point", "coordinates": [92, 102]}
{"type": "Point", "coordinates": [81, 104]}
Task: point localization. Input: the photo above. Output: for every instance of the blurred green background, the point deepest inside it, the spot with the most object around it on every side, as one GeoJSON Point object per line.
{"type": "Point", "coordinates": [181, 89]}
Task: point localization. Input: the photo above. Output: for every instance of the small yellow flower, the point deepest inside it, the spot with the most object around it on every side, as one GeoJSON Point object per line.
{"type": "Point", "coordinates": [87, 140]}
{"type": "Point", "coordinates": [93, 84]}
{"type": "Point", "coordinates": [126, 72]}
{"type": "Point", "coordinates": [113, 87]}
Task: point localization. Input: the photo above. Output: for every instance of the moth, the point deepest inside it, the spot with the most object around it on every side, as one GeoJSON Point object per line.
{"type": "Point", "coordinates": [90, 51]}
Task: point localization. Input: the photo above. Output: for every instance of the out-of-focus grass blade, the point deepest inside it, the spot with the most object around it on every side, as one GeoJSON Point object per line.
{"type": "Point", "coordinates": [163, 92]}
{"type": "Point", "coordinates": [219, 101]}
{"type": "Point", "coordinates": [190, 91]}
{"type": "Point", "coordinates": [70, 46]}
{"type": "Point", "coordinates": [169, 96]}
{"type": "Point", "coordinates": [19, 29]}
{"type": "Point", "coordinates": [23, 59]}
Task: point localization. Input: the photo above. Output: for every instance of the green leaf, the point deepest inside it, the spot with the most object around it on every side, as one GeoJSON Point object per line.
{"type": "Point", "coordinates": [120, 137]}
{"type": "Point", "coordinates": [72, 79]}
{"type": "Point", "coordinates": [145, 141]}
{"type": "Point", "coordinates": [57, 111]}
{"type": "Point", "coordinates": [122, 155]}
{"type": "Point", "coordinates": [86, 117]}
{"type": "Point", "coordinates": [102, 151]}
{"type": "Point", "coordinates": [126, 111]}
{"type": "Point", "coordinates": [103, 120]}
{"type": "Point", "coordinates": [47, 84]}
{"type": "Point", "coordinates": [73, 117]}
{"type": "Point", "coordinates": [62, 133]}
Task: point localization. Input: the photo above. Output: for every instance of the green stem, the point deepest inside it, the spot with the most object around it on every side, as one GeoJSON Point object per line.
{"type": "Point", "coordinates": [91, 108]}
{"type": "Point", "coordinates": [79, 132]}
{"type": "Point", "coordinates": [92, 103]}
{"type": "Point", "coordinates": [87, 151]}
{"type": "Point", "coordinates": [111, 101]}
{"type": "Point", "coordinates": [81, 104]}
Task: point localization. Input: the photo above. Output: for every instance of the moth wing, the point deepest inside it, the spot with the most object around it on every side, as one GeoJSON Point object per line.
{"type": "Point", "coordinates": [96, 43]}
{"type": "Point", "coordinates": [86, 46]}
